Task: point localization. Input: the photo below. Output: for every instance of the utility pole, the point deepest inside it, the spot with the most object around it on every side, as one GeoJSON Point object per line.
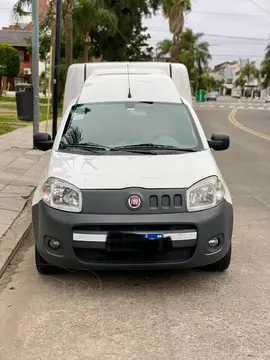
{"type": "Point", "coordinates": [56, 67]}
{"type": "Point", "coordinates": [35, 65]}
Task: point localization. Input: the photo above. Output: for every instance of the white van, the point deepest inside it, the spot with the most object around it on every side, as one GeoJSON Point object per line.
{"type": "Point", "coordinates": [236, 92]}
{"type": "Point", "coordinates": [131, 182]}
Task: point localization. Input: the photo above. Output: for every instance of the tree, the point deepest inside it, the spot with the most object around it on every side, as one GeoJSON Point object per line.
{"type": "Point", "coordinates": [130, 40]}
{"type": "Point", "coordinates": [164, 47]}
{"type": "Point", "coordinates": [9, 63]}
{"type": "Point", "coordinates": [120, 42]}
{"type": "Point", "coordinates": [43, 83]}
{"type": "Point", "coordinates": [90, 15]}
{"type": "Point", "coordinates": [174, 11]}
{"type": "Point", "coordinates": [265, 67]}
{"type": "Point", "coordinates": [247, 73]}
{"type": "Point", "coordinates": [241, 81]}
{"type": "Point", "coordinates": [22, 8]}
{"type": "Point", "coordinates": [44, 47]}
{"type": "Point", "coordinates": [194, 54]}
{"type": "Point", "coordinates": [68, 23]}
{"type": "Point", "coordinates": [138, 49]}
{"type": "Point", "coordinates": [209, 82]}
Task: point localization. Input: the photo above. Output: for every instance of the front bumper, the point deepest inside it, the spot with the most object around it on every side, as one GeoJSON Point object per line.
{"type": "Point", "coordinates": [83, 243]}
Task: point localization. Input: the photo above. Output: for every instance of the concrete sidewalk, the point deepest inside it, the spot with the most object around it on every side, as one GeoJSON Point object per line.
{"type": "Point", "coordinates": [20, 170]}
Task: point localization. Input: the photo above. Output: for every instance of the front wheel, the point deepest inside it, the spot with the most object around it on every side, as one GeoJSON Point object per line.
{"type": "Point", "coordinates": [223, 263]}
{"type": "Point", "coordinates": [43, 267]}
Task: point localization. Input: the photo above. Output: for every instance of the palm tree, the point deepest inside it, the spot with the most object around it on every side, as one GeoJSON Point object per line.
{"type": "Point", "coordinates": [194, 53]}
{"type": "Point", "coordinates": [68, 23]}
{"type": "Point", "coordinates": [164, 47]}
{"type": "Point", "coordinates": [249, 72]}
{"type": "Point", "coordinates": [89, 15]}
{"type": "Point", "coordinates": [174, 10]}
{"type": "Point", "coordinates": [241, 81]}
{"type": "Point", "coordinates": [22, 8]}
{"type": "Point", "coordinates": [209, 82]}
{"type": "Point", "coordinates": [265, 68]}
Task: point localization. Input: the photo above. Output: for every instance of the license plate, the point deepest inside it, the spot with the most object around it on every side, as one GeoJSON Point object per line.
{"type": "Point", "coordinates": [152, 236]}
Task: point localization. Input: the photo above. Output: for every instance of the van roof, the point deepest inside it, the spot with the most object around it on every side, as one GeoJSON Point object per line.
{"type": "Point", "coordinates": [123, 71]}
{"type": "Point", "coordinates": [156, 87]}
{"type": "Point", "coordinates": [79, 73]}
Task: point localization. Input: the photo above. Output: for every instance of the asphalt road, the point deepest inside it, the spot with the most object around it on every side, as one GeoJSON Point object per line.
{"type": "Point", "coordinates": [184, 315]}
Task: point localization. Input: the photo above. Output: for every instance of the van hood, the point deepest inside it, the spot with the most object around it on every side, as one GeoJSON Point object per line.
{"type": "Point", "coordinates": [121, 171]}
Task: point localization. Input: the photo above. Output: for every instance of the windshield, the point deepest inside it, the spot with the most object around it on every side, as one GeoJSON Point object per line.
{"type": "Point", "coordinates": [111, 125]}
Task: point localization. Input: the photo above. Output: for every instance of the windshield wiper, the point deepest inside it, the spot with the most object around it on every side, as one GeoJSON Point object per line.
{"type": "Point", "coordinates": [86, 146]}
{"type": "Point", "coordinates": [153, 146]}
{"type": "Point", "coordinates": [97, 147]}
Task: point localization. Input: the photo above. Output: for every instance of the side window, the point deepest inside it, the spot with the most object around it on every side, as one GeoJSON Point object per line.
{"type": "Point", "coordinates": [21, 55]}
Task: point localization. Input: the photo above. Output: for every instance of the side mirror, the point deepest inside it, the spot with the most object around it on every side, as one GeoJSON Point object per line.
{"type": "Point", "coordinates": [43, 141]}
{"type": "Point", "coordinates": [219, 142]}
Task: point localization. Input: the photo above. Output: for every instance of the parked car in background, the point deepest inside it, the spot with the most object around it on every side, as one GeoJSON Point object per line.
{"type": "Point", "coordinates": [267, 98]}
{"type": "Point", "coordinates": [236, 93]}
{"type": "Point", "coordinates": [212, 96]}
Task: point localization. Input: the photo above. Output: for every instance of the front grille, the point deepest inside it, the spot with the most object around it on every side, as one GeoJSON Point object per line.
{"type": "Point", "coordinates": [165, 201]}
{"type": "Point", "coordinates": [153, 201]}
{"type": "Point", "coordinates": [102, 256]}
{"type": "Point", "coordinates": [135, 228]}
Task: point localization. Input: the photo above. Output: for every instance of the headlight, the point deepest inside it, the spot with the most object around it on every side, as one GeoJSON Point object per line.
{"type": "Point", "coordinates": [205, 194]}
{"type": "Point", "coordinates": [61, 195]}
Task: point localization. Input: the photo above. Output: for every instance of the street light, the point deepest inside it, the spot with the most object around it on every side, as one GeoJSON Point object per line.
{"type": "Point", "coordinates": [56, 67]}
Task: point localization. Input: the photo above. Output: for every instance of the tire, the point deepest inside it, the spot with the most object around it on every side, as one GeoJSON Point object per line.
{"type": "Point", "coordinates": [43, 267]}
{"type": "Point", "coordinates": [224, 263]}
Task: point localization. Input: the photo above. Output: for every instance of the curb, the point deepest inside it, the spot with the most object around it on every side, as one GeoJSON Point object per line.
{"type": "Point", "coordinates": [14, 236]}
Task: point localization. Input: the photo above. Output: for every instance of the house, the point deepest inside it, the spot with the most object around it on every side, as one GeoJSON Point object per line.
{"type": "Point", "coordinates": [19, 35]}
{"type": "Point", "coordinates": [19, 39]}
{"type": "Point", "coordinates": [229, 72]}
{"type": "Point", "coordinates": [226, 72]}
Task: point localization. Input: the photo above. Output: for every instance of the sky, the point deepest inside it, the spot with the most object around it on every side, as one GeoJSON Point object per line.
{"type": "Point", "coordinates": [233, 28]}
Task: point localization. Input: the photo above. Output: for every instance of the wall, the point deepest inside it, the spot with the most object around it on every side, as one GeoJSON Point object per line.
{"type": "Point", "coordinates": [25, 59]}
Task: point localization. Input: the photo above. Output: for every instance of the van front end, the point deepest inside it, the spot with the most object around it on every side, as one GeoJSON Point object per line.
{"type": "Point", "coordinates": [131, 181]}
{"type": "Point", "coordinates": [132, 228]}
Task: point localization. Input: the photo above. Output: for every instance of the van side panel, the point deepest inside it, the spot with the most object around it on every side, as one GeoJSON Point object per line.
{"type": "Point", "coordinates": [74, 84]}
{"type": "Point", "coordinates": [181, 80]}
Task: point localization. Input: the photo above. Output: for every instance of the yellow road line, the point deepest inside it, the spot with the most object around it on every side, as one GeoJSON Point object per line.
{"type": "Point", "coordinates": [236, 123]}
